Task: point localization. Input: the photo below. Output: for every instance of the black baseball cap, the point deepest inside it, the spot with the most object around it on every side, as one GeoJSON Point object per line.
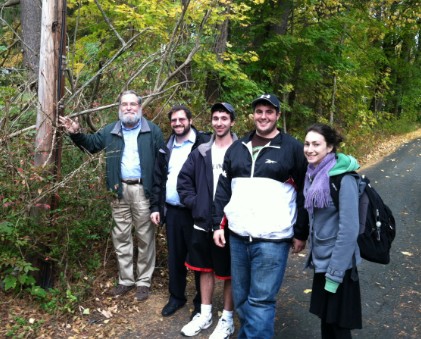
{"type": "Point", "coordinates": [224, 106]}
{"type": "Point", "coordinates": [268, 99]}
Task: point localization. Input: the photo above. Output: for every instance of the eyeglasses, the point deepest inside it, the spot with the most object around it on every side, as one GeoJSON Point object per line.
{"type": "Point", "coordinates": [182, 120]}
{"type": "Point", "coordinates": [127, 104]}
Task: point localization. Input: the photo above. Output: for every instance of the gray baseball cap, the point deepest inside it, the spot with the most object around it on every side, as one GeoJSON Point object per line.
{"type": "Point", "coordinates": [224, 106]}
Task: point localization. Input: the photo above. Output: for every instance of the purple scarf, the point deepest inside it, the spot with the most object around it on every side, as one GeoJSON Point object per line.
{"type": "Point", "coordinates": [316, 186]}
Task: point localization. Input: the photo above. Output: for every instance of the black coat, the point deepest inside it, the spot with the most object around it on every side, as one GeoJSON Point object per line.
{"type": "Point", "coordinates": [161, 172]}
{"type": "Point", "coordinates": [195, 184]}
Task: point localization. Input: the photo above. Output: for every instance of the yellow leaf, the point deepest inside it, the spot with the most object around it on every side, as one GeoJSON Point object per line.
{"type": "Point", "coordinates": [307, 290]}
{"type": "Point", "coordinates": [409, 254]}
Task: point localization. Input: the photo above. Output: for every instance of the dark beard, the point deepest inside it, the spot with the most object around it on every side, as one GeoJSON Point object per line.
{"type": "Point", "coordinates": [184, 133]}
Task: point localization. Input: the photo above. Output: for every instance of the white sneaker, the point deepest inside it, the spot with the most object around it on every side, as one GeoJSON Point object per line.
{"type": "Point", "coordinates": [197, 324]}
{"type": "Point", "coordinates": [223, 330]}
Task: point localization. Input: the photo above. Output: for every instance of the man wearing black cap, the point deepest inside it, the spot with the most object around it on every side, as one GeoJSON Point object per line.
{"type": "Point", "coordinates": [260, 193]}
{"type": "Point", "coordinates": [131, 145]}
{"type": "Point", "coordinates": [196, 186]}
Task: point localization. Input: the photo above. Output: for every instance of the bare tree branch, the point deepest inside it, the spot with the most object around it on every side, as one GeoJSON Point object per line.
{"type": "Point", "coordinates": [151, 96]}
{"type": "Point", "coordinates": [169, 46]}
{"type": "Point", "coordinates": [153, 57]}
{"type": "Point", "coordinates": [148, 98]}
{"type": "Point", "coordinates": [189, 58]}
{"type": "Point", "coordinates": [15, 33]}
{"type": "Point", "coordinates": [110, 61]}
{"type": "Point", "coordinates": [109, 23]}
{"type": "Point", "coordinates": [10, 3]}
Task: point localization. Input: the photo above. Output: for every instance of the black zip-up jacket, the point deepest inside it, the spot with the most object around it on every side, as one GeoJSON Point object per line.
{"type": "Point", "coordinates": [161, 172]}
{"type": "Point", "coordinates": [251, 193]}
{"type": "Point", "coordinates": [195, 184]}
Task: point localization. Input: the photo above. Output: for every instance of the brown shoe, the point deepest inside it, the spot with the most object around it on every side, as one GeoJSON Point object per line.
{"type": "Point", "coordinates": [142, 293]}
{"type": "Point", "coordinates": [121, 289]}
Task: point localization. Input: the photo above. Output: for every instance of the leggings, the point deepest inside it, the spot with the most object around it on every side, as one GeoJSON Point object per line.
{"type": "Point", "coordinates": [333, 331]}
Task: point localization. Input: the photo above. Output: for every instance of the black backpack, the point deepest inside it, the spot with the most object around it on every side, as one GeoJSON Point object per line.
{"type": "Point", "coordinates": [377, 224]}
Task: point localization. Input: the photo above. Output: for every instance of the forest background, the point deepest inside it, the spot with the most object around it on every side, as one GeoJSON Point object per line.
{"type": "Point", "coordinates": [353, 64]}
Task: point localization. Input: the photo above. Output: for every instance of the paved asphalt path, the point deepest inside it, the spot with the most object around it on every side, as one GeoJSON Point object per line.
{"type": "Point", "coordinates": [391, 294]}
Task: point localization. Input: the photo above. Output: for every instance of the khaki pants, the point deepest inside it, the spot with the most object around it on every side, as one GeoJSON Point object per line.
{"type": "Point", "coordinates": [132, 211]}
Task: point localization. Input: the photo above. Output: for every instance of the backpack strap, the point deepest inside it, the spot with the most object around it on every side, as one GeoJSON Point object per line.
{"type": "Point", "coordinates": [335, 186]}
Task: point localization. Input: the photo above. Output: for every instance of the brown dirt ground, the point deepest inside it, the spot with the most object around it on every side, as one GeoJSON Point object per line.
{"type": "Point", "coordinates": [104, 317]}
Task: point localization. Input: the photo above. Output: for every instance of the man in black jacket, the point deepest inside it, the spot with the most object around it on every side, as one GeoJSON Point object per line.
{"type": "Point", "coordinates": [260, 192]}
{"type": "Point", "coordinates": [166, 201]}
{"type": "Point", "coordinates": [196, 186]}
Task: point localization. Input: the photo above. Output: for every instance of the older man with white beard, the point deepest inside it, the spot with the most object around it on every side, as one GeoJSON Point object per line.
{"type": "Point", "coordinates": [131, 145]}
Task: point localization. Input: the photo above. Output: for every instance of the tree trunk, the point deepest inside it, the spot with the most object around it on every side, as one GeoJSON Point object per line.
{"type": "Point", "coordinates": [286, 8]}
{"type": "Point", "coordinates": [50, 81]}
{"type": "Point", "coordinates": [30, 13]}
{"type": "Point", "coordinates": [332, 103]}
{"type": "Point", "coordinates": [213, 82]}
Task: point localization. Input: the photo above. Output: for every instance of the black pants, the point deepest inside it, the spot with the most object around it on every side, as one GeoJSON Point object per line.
{"type": "Point", "coordinates": [179, 223]}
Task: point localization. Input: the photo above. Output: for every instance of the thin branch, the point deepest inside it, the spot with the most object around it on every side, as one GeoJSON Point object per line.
{"type": "Point", "coordinates": [27, 129]}
{"type": "Point", "coordinates": [115, 56]}
{"type": "Point", "coordinates": [153, 57]}
{"type": "Point", "coordinates": [169, 48]}
{"type": "Point", "coordinates": [66, 179]}
{"type": "Point", "coordinates": [109, 23]}
{"type": "Point", "coordinates": [148, 98]}
{"type": "Point", "coordinates": [10, 3]}
{"type": "Point", "coordinates": [189, 57]}
{"type": "Point", "coordinates": [16, 34]}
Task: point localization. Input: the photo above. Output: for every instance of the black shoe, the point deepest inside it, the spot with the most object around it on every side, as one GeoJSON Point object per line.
{"type": "Point", "coordinates": [195, 311]}
{"type": "Point", "coordinates": [171, 308]}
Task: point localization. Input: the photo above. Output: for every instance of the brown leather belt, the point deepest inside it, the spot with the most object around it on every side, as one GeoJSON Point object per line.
{"type": "Point", "coordinates": [133, 182]}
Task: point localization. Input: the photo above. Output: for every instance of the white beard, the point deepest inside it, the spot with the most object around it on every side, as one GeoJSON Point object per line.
{"type": "Point", "coordinates": [129, 119]}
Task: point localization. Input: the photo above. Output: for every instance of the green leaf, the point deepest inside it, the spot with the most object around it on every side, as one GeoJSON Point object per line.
{"type": "Point", "coordinates": [38, 292]}
{"type": "Point", "coordinates": [9, 282]}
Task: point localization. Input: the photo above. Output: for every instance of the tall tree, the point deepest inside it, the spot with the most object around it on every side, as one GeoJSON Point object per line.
{"type": "Point", "coordinates": [50, 81]}
{"type": "Point", "coordinates": [31, 36]}
{"type": "Point", "coordinates": [30, 18]}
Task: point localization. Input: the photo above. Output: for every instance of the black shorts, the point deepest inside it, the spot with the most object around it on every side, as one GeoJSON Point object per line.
{"type": "Point", "coordinates": [205, 256]}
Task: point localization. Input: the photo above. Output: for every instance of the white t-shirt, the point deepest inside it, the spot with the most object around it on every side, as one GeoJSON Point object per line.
{"type": "Point", "coordinates": [217, 162]}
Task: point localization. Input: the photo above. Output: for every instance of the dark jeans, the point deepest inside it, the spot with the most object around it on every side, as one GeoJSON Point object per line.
{"type": "Point", "coordinates": [179, 224]}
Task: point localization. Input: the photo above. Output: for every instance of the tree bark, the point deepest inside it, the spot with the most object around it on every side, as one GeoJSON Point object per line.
{"type": "Point", "coordinates": [213, 82]}
{"type": "Point", "coordinates": [31, 36]}
{"type": "Point", "coordinates": [286, 8]}
{"type": "Point", "coordinates": [49, 82]}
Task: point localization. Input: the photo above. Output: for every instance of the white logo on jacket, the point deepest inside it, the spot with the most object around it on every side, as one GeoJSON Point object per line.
{"type": "Point", "coordinates": [268, 161]}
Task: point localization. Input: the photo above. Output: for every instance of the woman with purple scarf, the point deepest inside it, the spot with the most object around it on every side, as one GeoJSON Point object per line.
{"type": "Point", "coordinates": [334, 252]}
